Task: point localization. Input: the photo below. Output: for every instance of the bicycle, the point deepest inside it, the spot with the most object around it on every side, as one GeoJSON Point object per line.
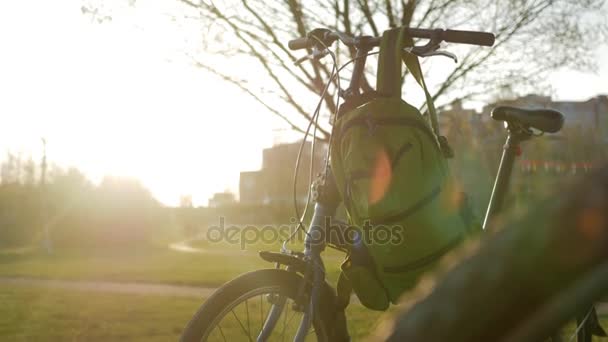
{"type": "Point", "coordinates": [297, 283]}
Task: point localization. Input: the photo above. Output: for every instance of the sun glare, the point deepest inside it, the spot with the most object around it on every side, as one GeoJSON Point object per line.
{"type": "Point", "coordinates": [122, 98]}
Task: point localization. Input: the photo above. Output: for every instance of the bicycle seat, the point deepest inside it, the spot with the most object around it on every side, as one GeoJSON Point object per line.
{"type": "Point", "coordinates": [546, 120]}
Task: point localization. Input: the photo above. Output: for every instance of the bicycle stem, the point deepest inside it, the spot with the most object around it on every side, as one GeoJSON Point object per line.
{"type": "Point", "coordinates": [358, 70]}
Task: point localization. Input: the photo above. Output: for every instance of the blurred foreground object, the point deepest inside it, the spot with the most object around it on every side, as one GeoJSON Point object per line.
{"type": "Point", "coordinates": [521, 283]}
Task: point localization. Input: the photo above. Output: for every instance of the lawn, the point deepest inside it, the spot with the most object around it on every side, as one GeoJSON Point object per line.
{"type": "Point", "coordinates": [36, 314]}
{"type": "Point", "coordinates": [40, 314]}
{"type": "Point", "coordinates": [153, 265]}
{"type": "Point", "coordinates": [145, 265]}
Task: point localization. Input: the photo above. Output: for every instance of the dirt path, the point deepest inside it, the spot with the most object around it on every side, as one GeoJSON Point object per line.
{"type": "Point", "coordinates": [112, 287]}
{"type": "Point", "coordinates": [185, 247]}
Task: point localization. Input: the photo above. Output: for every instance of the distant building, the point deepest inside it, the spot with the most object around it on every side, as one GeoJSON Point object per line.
{"type": "Point", "coordinates": [587, 117]}
{"type": "Point", "coordinates": [273, 184]}
{"type": "Point", "coordinates": [221, 199]}
{"type": "Point", "coordinates": [185, 201]}
{"type": "Point", "coordinates": [580, 142]}
{"type": "Point", "coordinates": [252, 187]}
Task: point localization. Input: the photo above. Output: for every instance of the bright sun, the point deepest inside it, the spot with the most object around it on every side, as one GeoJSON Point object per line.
{"type": "Point", "coordinates": [121, 98]}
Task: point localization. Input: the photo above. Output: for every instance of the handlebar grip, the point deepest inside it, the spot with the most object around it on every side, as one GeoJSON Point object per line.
{"type": "Point", "coordinates": [299, 43]}
{"type": "Point", "coordinates": [469, 37]}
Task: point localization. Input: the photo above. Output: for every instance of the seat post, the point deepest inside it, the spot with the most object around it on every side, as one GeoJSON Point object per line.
{"type": "Point", "coordinates": [511, 149]}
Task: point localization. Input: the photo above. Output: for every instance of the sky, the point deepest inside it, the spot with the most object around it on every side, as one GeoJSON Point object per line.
{"type": "Point", "coordinates": [122, 98]}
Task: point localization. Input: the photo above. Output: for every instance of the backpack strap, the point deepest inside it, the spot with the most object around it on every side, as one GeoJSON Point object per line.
{"type": "Point", "coordinates": [389, 80]}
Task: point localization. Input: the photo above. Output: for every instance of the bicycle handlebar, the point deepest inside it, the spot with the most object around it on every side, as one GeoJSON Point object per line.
{"type": "Point", "coordinates": [469, 37]}
{"type": "Point", "coordinates": [300, 43]}
{"type": "Point", "coordinates": [451, 36]}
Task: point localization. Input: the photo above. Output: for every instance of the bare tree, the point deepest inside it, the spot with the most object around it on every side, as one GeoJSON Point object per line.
{"type": "Point", "coordinates": [534, 37]}
{"type": "Point", "coordinates": [11, 169]}
{"type": "Point", "coordinates": [244, 42]}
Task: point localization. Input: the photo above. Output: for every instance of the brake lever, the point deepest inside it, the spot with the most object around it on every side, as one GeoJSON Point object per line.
{"type": "Point", "coordinates": [440, 53]}
{"type": "Point", "coordinates": [316, 54]}
{"type": "Point", "coordinates": [432, 49]}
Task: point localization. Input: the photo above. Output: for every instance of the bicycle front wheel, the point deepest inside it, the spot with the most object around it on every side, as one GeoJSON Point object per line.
{"type": "Point", "coordinates": [238, 310]}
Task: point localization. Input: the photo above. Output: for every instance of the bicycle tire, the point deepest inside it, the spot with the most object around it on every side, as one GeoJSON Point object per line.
{"type": "Point", "coordinates": [522, 282]}
{"type": "Point", "coordinates": [288, 283]}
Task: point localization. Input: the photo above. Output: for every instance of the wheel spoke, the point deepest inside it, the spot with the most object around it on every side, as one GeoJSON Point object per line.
{"type": "Point", "coordinates": [290, 318]}
{"type": "Point", "coordinates": [221, 332]}
{"type": "Point", "coordinates": [242, 326]}
{"type": "Point", "coordinates": [284, 322]}
{"type": "Point", "coordinates": [261, 313]}
{"type": "Point", "coordinates": [247, 309]}
{"type": "Point", "coordinates": [229, 331]}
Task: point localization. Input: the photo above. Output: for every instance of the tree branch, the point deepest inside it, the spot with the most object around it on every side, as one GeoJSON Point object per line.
{"type": "Point", "coordinates": [259, 100]}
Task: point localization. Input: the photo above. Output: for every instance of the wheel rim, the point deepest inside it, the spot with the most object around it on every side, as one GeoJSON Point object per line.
{"type": "Point", "coordinates": [243, 318]}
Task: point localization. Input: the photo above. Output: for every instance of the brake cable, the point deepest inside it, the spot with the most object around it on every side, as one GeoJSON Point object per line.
{"type": "Point", "coordinates": [313, 120]}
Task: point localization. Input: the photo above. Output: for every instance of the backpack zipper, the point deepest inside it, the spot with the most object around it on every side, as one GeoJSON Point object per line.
{"type": "Point", "coordinates": [424, 261]}
{"type": "Point", "coordinates": [402, 215]}
{"type": "Point", "coordinates": [366, 120]}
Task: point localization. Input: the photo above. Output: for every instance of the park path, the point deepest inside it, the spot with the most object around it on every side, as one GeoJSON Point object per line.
{"type": "Point", "coordinates": [112, 287]}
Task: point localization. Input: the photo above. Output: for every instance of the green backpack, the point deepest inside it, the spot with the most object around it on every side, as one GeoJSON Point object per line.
{"type": "Point", "coordinates": [391, 169]}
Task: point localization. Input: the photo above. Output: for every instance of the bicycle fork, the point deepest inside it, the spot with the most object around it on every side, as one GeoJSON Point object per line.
{"type": "Point", "coordinates": [314, 275]}
{"type": "Point", "coordinates": [326, 198]}
{"type": "Point", "coordinates": [314, 244]}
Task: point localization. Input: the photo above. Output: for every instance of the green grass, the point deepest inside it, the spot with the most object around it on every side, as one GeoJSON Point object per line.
{"type": "Point", "coordinates": [153, 265]}
{"type": "Point", "coordinates": [35, 314]}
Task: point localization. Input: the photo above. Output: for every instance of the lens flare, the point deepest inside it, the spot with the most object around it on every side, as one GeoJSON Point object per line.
{"type": "Point", "coordinates": [381, 177]}
{"type": "Point", "coordinates": [591, 222]}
